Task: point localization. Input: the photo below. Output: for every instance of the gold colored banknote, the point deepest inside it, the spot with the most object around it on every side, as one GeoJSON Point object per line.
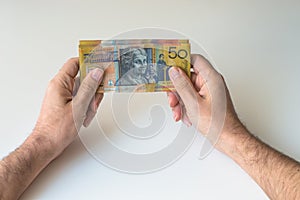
{"type": "Point", "coordinates": [134, 65]}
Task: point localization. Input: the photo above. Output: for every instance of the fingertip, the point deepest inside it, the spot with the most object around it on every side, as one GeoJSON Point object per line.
{"type": "Point", "coordinates": [85, 124]}
{"type": "Point", "coordinates": [176, 112]}
{"type": "Point", "coordinates": [97, 74]}
{"type": "Point", "coordinates": [173, 101]}
{"type": "Point", "coordinates": [186, 121]}
{"type": "Point", "coordinates": [177, 118]}
{"type": "Point", "coordinates": [89, 117]}
{"type": "Point", "coordinates": [174, 73]}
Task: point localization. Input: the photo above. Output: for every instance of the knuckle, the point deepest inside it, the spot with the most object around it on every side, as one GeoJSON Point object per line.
{"type": "Point", "coordinates": [71, 60]}
{"type": "Point", "coordinates": [197, 57]}
{"type": "Point", "coordinates": [217, 79]}
{"type": "Point", "coordinates": [53, 83]}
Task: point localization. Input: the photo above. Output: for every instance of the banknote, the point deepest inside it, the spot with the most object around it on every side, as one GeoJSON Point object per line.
{"type": "Point", "coordinates": [135, 65]}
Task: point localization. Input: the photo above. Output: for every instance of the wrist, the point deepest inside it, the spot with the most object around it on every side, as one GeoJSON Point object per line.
{"type": "Point", "coordinates": [19, 168]}
{"type": "Point", "coordinates": [230, 140]}
{"type": "Point", "coordinates": [43, 141]}
{"type": "Point", "coordinates": [56, 135]}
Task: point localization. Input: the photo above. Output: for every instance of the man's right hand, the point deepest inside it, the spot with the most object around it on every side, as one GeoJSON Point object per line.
{"type": "Point", "coordinates": [199, 101]}
{"type": "Point", "coordinates": [195, 98]}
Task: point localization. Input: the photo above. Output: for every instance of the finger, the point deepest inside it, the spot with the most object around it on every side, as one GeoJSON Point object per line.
{"type": "Point", "coordinates": [182, 84]}
{"type": "Point", "coordinates": [200, 63]}
{"type": "Point", "coordinates": [92, 109]}
{"type": "Point", "coordinates": [195, 80]}
{"type": "Point", "coordinates": [202, 66]}
{"type": "Point", "coordinates": [71, 67]}
{"type": "Point", "coordinates": [89, 118]}
{"type": "Point", "coordinates": [88, 87]}
{"type": "Point", "coordinates": [177, 112]}
{"type": "Point", "coordinates": [98, 99]}
{"type": "Point", "coordinates": [182, 113]}
{"type": "Point", "coordinates": [76, 85]}
{"type": "Point", "coordinates": [173, 100]}
{"type": "Point", "coordinates": [90, 113]}
{"type": "Point", "coordinates": [85, 94]}
{"type": "Point", "coordinates": [175, 105]}
{"type": "Point", "coordinates": [185, 90]}
{"type": "Point", "coordinates": [203, 71]}
{"type": "Point", "coordinates": [184, 118]}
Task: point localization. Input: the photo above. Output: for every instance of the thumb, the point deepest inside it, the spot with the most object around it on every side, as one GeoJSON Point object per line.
{"type": "Point", "coordinates": [85, 93]}
{"type": "Point", "coordinates": [187, 93]}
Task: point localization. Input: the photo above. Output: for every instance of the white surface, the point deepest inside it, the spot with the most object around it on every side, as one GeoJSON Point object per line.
{"type": "Point", "coordinates": [254, 43]}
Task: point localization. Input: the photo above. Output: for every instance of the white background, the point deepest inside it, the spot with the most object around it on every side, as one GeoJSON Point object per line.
{"type": "Point", "coordinates": [255, 45]}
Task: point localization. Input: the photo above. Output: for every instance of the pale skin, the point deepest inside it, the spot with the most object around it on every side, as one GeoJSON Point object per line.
{"type": "Point", "coordinates": [58, 125]}
{"type": "Point", "coordinates": [277, 174]}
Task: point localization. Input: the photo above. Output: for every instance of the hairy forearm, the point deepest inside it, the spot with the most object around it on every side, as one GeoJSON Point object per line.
{"type": "Point", "coordinates": [277, 174]}
{"type": "Point", "coordinates": [19, 169]}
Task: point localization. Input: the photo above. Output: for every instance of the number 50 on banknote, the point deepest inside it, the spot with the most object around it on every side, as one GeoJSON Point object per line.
{"type": "Point", "coordinates": [134, 65]}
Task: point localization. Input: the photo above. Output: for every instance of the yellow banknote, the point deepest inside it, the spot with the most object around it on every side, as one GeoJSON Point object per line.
{"type": "Point", "coordinates": [134, 65]}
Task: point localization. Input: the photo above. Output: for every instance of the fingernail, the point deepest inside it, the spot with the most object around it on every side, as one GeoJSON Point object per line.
{"type": "Point", "coordinates": [174, 73]}
{"type": "Point", "coordinates": [97, 74]}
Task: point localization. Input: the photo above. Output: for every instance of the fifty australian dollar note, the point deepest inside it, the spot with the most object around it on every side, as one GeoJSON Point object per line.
{"type": "Point", "coordinates": [137, 65]}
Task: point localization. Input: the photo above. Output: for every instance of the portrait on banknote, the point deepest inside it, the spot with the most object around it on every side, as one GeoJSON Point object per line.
{"type": "Point", "coordinates": [135, 67]}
